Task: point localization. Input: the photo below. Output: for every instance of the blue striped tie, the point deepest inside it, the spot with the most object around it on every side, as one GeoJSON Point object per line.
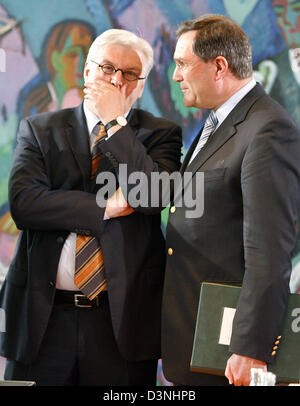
{"type": "Point", "coordinates": [209, 127]}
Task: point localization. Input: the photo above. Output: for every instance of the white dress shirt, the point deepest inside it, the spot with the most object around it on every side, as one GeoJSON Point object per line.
{"type": "Point", "coordinates": [66, 266]}
{"type": "Point", "coordinates": [223, 111]}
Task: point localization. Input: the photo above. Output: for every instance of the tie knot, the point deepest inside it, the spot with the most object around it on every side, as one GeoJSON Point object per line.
{"type": "Point", "coordinates": [212, 119]}
{"type": "Point", "coordinates": [101, 133]}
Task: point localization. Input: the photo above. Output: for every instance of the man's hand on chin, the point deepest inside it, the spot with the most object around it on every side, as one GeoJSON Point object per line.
{"type": "Point", "coordinates": [238, 369]}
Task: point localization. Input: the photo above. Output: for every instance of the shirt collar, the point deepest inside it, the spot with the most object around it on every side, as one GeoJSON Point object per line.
{"type": "Point", "coordinates": [91, 119]}
{"type": "Point", "coordinates": [223, 111]}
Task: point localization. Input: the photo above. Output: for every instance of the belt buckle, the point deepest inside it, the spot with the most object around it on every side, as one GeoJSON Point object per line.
{"type": "Point", "coordinates": [76, 298]}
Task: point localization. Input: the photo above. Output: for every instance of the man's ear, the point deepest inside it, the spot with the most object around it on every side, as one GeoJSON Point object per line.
{"type": "Point", "coordinates": [141, 89]}
{"type": "Point", "coordinates": [221, 66]}
{"type": "Point", "coordinates": [86, 71]}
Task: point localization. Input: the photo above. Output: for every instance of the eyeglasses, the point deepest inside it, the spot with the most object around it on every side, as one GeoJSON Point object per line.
{"type": "Point", "coordinates": [110, 70]}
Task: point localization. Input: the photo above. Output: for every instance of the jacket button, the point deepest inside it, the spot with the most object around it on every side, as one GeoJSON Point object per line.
{"type": "Point", "coordinates": [51, 284]}
{"type": "Point", "coordinates": [273, 353]}
{"type": "Point", "coordinates": [170, 251]}
{"type": "Point", "coordinates": [173, 209]}
{"type": "Point", "coordinates": [60, 240]}
{"type": "Point", "coordinates": [275, 348]}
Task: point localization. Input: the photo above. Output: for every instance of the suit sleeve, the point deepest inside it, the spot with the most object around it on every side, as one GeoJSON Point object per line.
{"type": "Point", "coordinates": [34, 204]}
{"type": "Point", "coordinates": [270, 188]}
{"type": "Point", "coordinates": [160, 153]}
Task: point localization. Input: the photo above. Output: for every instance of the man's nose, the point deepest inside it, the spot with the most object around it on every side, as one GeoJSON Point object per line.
{"type": "Point", "coordinates": [176, 76]}
{"type": "Point", "coordinates": [117, 79]}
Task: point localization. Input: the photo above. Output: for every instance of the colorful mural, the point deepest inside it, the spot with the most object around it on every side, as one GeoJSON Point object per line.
{"type": "Point", "coordinates": [45, 45]}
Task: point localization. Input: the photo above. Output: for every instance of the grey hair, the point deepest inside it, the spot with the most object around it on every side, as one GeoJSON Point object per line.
{"type": "Point", "coordinates": [126, 39]}
{"type": "Point", "coordinates": [218, 35]}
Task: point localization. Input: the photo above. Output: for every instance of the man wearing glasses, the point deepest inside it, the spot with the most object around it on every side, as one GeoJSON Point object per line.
{"type": "Point", "coordinates": [82, 298]}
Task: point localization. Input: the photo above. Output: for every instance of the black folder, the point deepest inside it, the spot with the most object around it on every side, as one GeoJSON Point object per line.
{"type": "Point", "coordinates": [217, 304]}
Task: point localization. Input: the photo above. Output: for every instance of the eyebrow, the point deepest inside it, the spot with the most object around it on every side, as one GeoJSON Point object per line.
{"type": "Point", "coordinates": [107, 61]}
{"type": "Point", "coordinates": [179, 60]}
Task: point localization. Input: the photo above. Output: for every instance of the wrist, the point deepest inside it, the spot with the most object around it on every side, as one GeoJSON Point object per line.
{"type": "Point", "coordinates": [113, 130]}
{"type": "Point", "coordinates": [119, 121]}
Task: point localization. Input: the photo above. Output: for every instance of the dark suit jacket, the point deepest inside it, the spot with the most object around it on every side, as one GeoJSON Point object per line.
{"type": "Point", "coordinates": [246, 234]}
{"type": "Point", "coordinates": [50, 197]}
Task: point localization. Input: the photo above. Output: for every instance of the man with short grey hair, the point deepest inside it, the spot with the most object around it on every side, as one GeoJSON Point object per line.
{"type": "Point", "coordinates": [82, 297]}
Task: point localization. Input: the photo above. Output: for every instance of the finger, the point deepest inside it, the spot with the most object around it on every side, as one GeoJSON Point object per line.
{"type": "Point", "coordinates": [92, 94]}
{"type": "Point", "coordinates": [123, 90]}
{"type": "Point", "coordinates": [94, 89]}
{"type": "Point", "coordinates": [97, 86]}
{"type": "Point", "coordinates": [89, 96]}
{"type": "Point", "coordinates": [89, 85]}
{"type": "Point", "coordinates": [97, 82]}
{"type": "Point", "coordinates": [101, 84]}
{"type": "Point", "coordinates": [246, 380]}
{"type": "Point", "coordinates": [228, 373]}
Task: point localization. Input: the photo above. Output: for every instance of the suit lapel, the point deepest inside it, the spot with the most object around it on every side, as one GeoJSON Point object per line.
{"type": "Point", "coordinates": [215, 141]}
{"type": "Point", "coordinates": [78, 138]}
{"type": "Point", "coordinates": [190, 152]}
{"type": "Point", "coordinates": [133, 120]}
{"type": "Point", "coordinates": [226, 130]}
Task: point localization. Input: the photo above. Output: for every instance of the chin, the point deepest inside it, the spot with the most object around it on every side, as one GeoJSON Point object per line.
{"type": "Point", "coordinates": [188, 103]}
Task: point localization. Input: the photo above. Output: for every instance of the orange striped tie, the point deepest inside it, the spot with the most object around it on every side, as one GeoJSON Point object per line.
{"type": "Point", "coordinates": [89, 265]}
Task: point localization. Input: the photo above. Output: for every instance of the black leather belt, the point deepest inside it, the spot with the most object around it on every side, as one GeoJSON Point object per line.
{"type": "Point", "coordinates": [78, 299]}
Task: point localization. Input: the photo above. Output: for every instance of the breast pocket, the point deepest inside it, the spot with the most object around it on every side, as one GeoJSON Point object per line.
{"type": "Point", "coordinates": [215, 196]}
{"type": "Point", "coordinates": [214, 174]}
